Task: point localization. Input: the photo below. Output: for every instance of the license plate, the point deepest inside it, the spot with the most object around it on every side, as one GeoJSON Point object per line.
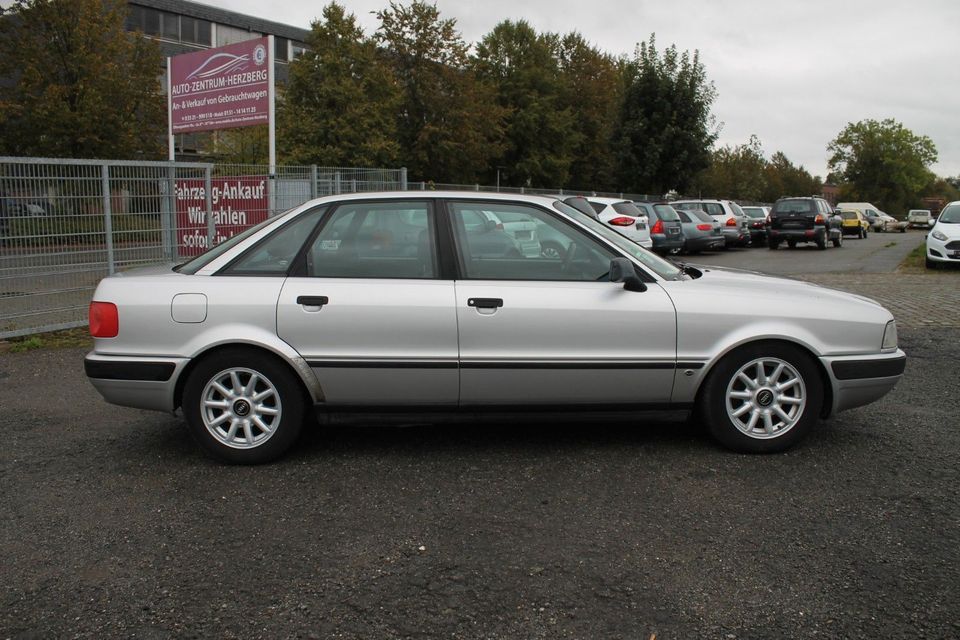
{"type": "Point", "coordinates": [953, 254]}
{"type": "Point", "coordinates": [641, 226]}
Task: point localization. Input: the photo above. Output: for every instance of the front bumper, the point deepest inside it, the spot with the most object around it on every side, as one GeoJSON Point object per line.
{"type": "Point", "coordinates": [859, 380]}
{"type": "Point", "coordinates": [937, 250]}
{"type": "Point", "coordinates": [143, 383]}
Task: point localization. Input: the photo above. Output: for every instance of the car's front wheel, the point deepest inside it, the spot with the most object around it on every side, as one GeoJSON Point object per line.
{"type": "Point", "coordinates": [762, 398]}
{"type": "Point", "coordinates": [243, 406]}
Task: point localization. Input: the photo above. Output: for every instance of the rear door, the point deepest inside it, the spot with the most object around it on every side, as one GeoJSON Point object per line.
{"type": "Point", "coordinates": [553, 330]}
{"type": "Point", "coordinates": [369, 311]}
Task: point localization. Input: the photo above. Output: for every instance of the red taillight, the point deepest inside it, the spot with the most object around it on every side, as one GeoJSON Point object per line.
{"type": "Point", "coordinates": [658, 227]}
{"type": "Point", "coordinates": [622, 221]}
{"type": "Point", "coordinates": [818, 219]}
{"type": "Point", "coordinates": [704, 227]}
{"type": "Point", "coordinates": [731, 222]}
{"type": "Point", "coordinates": [104, 320]}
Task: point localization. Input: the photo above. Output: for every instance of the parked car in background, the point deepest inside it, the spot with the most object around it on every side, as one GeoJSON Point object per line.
{"type": "Point", "coordinates": [943, 241]}
{"type": "Point", "coordinates": [757, 224]}
{"type": "Point", "coordinates": [665, 228]}
{"type": "Point", "coordinates": [489, 236]}
{"type": "Point", "coordinates": [870, 212]}
{"type": "Point", "coordinates": [700, 231]}
{"type": "Point", "coordinates": [799, 220]}
{"type": "Point", "coordinates": [854, 223]}
{"type": "Point", "coordinates": [732, 219]}
{"type": "Point", "coordinates": [624, 217]}
{"type": "Point", "coordinates": [919, 218]}
{"type": "Point", "coordinates": [311, 312]}
{"type": "Point", "coordinates": [887, 222]}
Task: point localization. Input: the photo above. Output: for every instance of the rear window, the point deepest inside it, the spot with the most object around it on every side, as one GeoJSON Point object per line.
{"type": "Point", "coordinates": [848, 215]}
{"type": "Point", "coordinates": [666, 212]}
{"type": "Point", "coordinates": [701, 215]}
{"type": "Point", "coordinates": [794, 206]}
{"type": "Point", "coordinates": [754, 212]}
{"type": "Point", "coordinates": [597, 206]}
{"type": "Point", "coordinates": [627, 209]}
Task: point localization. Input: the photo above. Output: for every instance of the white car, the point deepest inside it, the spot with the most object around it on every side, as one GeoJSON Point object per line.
{"type": "Point", "coordinates": [408, 303]}
{"type": "Point", "coordinates": [621, 215]}
{"type": "Point", "coordinates": [943, 241]}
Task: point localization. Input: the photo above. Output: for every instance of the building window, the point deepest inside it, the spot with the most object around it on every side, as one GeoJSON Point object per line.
{"type": "Point", "coordinates": [169, 26]}
{"type": "Point", "coordinates": [194, 30]}
{"type": "Point", "coordinates": [298, 49]}
{"type": "Point", "coordinates": [231, 35]}
{"type": "Point", "coordinates": [280, 49]}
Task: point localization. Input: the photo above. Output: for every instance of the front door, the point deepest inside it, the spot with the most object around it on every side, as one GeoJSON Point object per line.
{"type": "Point", "coordinates": [552, 330]}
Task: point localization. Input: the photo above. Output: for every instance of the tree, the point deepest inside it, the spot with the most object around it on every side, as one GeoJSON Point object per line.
{"type": "Point", "coordinates": [540, 133]}
{"type": "Point", "coordinates": [449, 125]}
{"type": "Point", "coordinates": [735, 172]}
{"type": "Point", "coordinates": [80, 85]}
{"type": "Point", "coordinates": [665, 130]}
{"type": "Point", "coordinates": [783, 178]}
{"type": "Point", "coordinates": [341, 99]}
{"type": "Point", "coordinates": [882, 162]}
{"type": "Point", "coordinates": [592, 91]}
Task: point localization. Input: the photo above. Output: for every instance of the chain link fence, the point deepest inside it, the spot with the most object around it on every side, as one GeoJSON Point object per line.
{"type": "Point", "coordinates": [65, 224]}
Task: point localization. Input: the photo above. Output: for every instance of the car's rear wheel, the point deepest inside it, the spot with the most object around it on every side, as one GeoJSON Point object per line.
{"type": "Point", "coordinates": [243, 407]}
{"type": "Point", "coordinates": [838, 241]}
{"type": "Point", "coordinates": [861, 233]}
{"type": "Point", "coordinates": [822, 242]}
{"type": "Point", "coordinates": [792, 244]}
{"type": "Point", "coordinates": [774, 244]}
{"type": "Point", "coordinates": [762, 398]}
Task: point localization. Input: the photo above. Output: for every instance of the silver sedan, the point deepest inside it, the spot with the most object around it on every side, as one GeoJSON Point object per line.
{"type": "Point", "coordinates": [394, 302]}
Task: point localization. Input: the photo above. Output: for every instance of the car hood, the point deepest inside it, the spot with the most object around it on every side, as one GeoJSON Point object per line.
{"type": "Point", "coordinates": [742, 282]}
{"type": "Point", "coordinates": [952, 231]}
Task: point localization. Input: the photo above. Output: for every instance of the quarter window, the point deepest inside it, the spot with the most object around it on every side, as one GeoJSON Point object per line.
{"type": "Point", "coordinates": [375, 240]}
{"type": "Point", "coordinates": [504, 241]}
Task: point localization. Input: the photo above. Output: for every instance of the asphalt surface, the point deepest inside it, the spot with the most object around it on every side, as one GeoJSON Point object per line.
{"type": "Point", "coordinates": [114, 525]}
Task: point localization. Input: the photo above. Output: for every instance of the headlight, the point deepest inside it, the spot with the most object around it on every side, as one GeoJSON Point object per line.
{"type": "Point", "coordinates": [890, 336]}
{"type": "Point", "coordinates": [939, 236]}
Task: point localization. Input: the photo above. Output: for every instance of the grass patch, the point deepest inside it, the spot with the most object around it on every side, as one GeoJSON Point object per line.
{"type": "Point", "coordinates": [66, 339]}
{"type": "Point", "coordinates": [915, 260]}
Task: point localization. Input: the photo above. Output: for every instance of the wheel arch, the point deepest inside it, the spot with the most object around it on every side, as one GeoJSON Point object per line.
{"type": "Point", "coordinates": [769, 340]}
{"type": "Point", "coordinates": [297, 365]}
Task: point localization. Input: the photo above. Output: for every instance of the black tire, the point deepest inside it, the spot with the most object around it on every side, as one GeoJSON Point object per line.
{"type": "Point", "coordinates": [792, 244]}
{"type": "Point", "coordinates": [713, 409]}
{"type": "Point", "coordinates": [903, 229]}
{"type": "Point", "coordinates": [822, 242]}
{"type": "Point", "coordinates": [773, 244]}
{"type": "Point", "coordinates": [861, 233]}
{"type": "Point", "coordinates": [288, 398]}
{"type": "Point", "coordinates": [866, 232]}
{"type": "Point", "coordinates": [931, 264]}
{"type": "Point", "coordinates": [838, 241]}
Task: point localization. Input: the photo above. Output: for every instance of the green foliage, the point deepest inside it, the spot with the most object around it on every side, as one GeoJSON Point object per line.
{"type": "Point", "coordinates": [882, 162]}
{"type": "Point", "coordinates": [82, 86]}
{"type": "Point", "coordinates": [782, 178]}
{"type": "Point", "coordinates": [665, 131]}
{"type": "Point", "coordinates": [340, 102]}
{"type": "Point", "coordinates": [449, 124]}
{"type": "Point", "coordinates": [592, 91]}
{"type": "Point", "coordinates": [735, 172]}
{"type": "Point", "coordinates": [541, 137]}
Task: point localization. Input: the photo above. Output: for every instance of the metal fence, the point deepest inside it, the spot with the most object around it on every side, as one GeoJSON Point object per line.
{"type": "Point", "coordinates": [65, 224]}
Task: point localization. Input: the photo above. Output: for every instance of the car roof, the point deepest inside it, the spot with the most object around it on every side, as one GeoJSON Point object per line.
{"type": "Point", "coordinates": [435, 195]}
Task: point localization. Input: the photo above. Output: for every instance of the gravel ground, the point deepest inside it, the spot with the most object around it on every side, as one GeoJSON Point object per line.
{"type": "Point", "coordinates": [114, 525]}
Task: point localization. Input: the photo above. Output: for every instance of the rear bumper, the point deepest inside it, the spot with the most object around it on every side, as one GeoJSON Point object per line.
{"type": "Point", "coordinates": [736, 237]}
{"type": "Point", "coordinates": [705, 243]}
{"type": "Point", "coordinates": [860, 380]}
{"type": "Point", "coordinates": [144, 383]}
{"type": "Point", "coordinates": [663, 243]}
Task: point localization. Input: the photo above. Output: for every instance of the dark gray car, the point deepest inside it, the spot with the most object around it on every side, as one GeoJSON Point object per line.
{"type": "Point", "coordinates": [700, 231]}
{"type": "Point", "coordinates": [665, 227]}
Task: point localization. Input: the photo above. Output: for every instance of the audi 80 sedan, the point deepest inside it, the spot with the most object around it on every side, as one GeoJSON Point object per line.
{"type": "Point", "coordinates": [392, 302]}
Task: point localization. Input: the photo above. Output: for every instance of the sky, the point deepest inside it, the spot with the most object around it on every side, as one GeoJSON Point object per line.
{"type": "Point", "coordinates": [792, 73]}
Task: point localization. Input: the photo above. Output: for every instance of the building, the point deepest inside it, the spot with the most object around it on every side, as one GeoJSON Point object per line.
{"type": "Point", "coordinates": [180, 26]}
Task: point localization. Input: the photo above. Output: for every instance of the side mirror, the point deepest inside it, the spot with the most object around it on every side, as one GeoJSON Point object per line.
{"type": "Point", "coordinates": [931, 222]}
{"type": "Point", "coordinates": [622, 270]}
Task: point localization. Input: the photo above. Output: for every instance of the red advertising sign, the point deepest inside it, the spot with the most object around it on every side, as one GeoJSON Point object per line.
{"type": "Point", "coordinates": [220, 88]}
{"type": "Point", "coordinates": [238, 203]}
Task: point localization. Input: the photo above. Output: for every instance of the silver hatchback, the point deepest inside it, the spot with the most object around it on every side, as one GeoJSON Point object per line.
{"type": "Point", "coordinates": [396, 302]}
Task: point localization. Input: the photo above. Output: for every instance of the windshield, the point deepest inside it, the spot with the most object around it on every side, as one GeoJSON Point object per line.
{"type": "Point", "coordinates": [951, 214]}
{"type": "Point", "coordinates": [649, 259]}
{"type": "Point", "coordinates": [848, 215]}
{"type": "Point", "coordinates": [192, 266]}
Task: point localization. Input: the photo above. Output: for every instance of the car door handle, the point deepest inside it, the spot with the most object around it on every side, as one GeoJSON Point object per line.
{"type": "Point", "coordinates": [485, 303]}
{"type": "Point", "coordinates": [313, 301]}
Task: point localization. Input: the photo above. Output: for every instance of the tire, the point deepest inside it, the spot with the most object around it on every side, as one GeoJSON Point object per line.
{"type": "Point", "coordinates": [792, 244]}
{"type": "Point", "coordinates": [822, 242]}
{"type": "Point", "coordinates": [838, 241]}
{"type": "Point", "coordinates": [773, 244]}
{"type": "Point", "coordinates": [725, 393]}
{"type": "Point", "coordinates": [931, 264]}
{"type": "Point", "coordinates": [860, 233]}
{"type": "Point", "coordinates": [552, 250]}
{"type": "Point", "coordinates": [903, 229]}
{"type": "Point", "coordinates": [261, 422]}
